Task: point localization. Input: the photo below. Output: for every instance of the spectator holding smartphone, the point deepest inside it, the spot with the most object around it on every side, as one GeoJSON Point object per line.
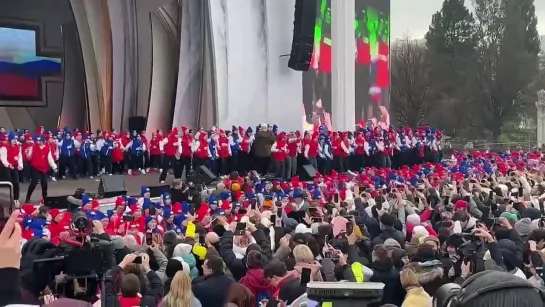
{"type": "Point", "coordinates": [133, 292]}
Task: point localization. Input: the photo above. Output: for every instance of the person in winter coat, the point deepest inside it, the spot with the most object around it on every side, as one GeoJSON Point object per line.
{"type": "Point", "coordinates": [254, 279]}
{"type": "Point", "coordinates": [131, 288]}
{"type": "Point", "coordinates": [385, 272]}
{"type": "Point", "coordinates": [416, 295]}
{"type": "Point", "coordinates": [388, 231]}
{"type": "Point", "coordinates": [210, 290]}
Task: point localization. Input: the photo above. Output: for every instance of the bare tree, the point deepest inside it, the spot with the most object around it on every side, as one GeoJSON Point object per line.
{"type": "Point", "coordinates": [411, 91]}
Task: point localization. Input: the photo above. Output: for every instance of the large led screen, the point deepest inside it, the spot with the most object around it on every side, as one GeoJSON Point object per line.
{"type": "Point", "coordinates": [21, 67]}
{"type": "Point", "coordinates": [372, 47]}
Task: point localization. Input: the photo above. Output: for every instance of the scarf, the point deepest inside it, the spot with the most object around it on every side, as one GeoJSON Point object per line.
{"type": "Point", "coordinates": [129, 301]}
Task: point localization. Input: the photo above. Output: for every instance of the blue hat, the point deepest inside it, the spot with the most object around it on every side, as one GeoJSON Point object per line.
{"type": "Point", "coordinates": [185, 206]}
{"type": "Point", "coordinates": [297, 193]}
{"type": "Point", "coordinates": [144, 190]}
{"type": "Point", "coordinates": [148, 219]}
{"type": "Point", "coordinates": [131, 201]}
{"type": "Point", "coordinates": [167, 213]}
{"type": "Point", "coordinates": [166, 195]}
{"type": "Point", "coordinates": [96, 215]}
{"type": "Point", "coordinates": [85, 199]}
{"type": "Point", "coordinates": [179, 218]}
{"type": "Point", "coordinates": [38, 233]}
{"type": "Point", "coordinates": [224, 195]}
{"type": "Point", "coordinates": [212, 200]}
{"type": "Point", "coordinates": [249, 130]}
{"type": "Point", "coordinates": [146, 203]}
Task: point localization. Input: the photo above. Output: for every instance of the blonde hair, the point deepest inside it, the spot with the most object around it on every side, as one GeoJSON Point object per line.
{"type": "Point", "coordinates": [409, 279]}
{"type": "Point", "coordinates": [180, 294]}
{"type": "Point", "coordinates": [302, 253]}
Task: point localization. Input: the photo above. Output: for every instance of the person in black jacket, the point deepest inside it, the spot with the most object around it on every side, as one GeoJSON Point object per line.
{"type": "Point", "coordinates": [211, 290]}
{"type": "Point", "coordinates": [238, 266]}
{"type": "Point", "coordinates": [132, 292]}
{"type": "Point", "coordinates": [385, 272]}
{"type": "Point", "coordinates": [388, 231]}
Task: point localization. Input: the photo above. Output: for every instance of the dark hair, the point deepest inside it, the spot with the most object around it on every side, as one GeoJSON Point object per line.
{"type": "Point", "coordinates": [387, 220]}
{"type": "Point", "coordinates": [130, 285]}
{"type": "Point", "coordinates": [275, 268]}
{"type": "Point", "coordinates": [460, 216]}
{"type": "Point", "coordinates": [313, 244]}
{"type": "Point", "coordinates": [214, 263]}
{"type": "Point", "coordinates": [505, 297]}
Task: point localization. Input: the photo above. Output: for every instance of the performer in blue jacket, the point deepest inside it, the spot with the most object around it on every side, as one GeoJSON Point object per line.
{"type": "Point", "coordinates": [67, 148]}
{"type": "Point", "coordinates": [136, 149]}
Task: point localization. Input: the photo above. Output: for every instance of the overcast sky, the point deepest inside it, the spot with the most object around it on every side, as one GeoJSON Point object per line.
{"type": "Point", "coordinates": [414, 17]}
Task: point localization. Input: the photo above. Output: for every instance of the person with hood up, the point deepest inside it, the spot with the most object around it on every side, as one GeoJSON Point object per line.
{"type": "Point", "coordinates": [388, 231]}
{"type": "Point", "coordinates": [235, 255]}
{"type": "Point", "coordinates": [255, 279]}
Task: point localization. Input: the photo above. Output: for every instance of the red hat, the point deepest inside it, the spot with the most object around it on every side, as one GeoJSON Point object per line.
{"type": "Point", "coordinates": [177, 208]}
{"type": "Point", "coordinates": [225, 205]}
{"type": "Point", "coordinates": [460, 204]}
{"type": "Point", "coordinates": [28, 208]}
{"type": "Point", "coordinates": [95, 204]}
{"type": "Point", "coordinates": [120, 201]}
{"type": "Point", "coordinates": [54, 213]}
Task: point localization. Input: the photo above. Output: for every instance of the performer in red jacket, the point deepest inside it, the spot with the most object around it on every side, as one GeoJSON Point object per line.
{"type": "Point", "coordinates": [154, 153]}
{"type": "Point", "coordinates": [40, 162]}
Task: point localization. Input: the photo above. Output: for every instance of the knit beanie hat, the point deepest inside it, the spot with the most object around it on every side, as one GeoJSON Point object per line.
{"type": "Point", "coordinates": [420, 231]}
{"type": "Point", "coordinates": [173, 266]}
{"type": "Point", "coordinates": [413, 219]}
{"type": "Point", "coordinates": [525, 226]}
{"type": "Point", "coordinates": [254, 259]}
{"type": "Point", "coordinates": [391, 244]}
{"type": "Point", "coordinates": [511, 217]}
{"type": "Point", "coordinates": [181, 249]}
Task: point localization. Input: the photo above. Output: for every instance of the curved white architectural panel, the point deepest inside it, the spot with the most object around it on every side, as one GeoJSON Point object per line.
{"type": "Point", "coordinates": [94, 93]}
{"type": "Point", "coordinates": [253, 84]}
{"type": "Point", "coordinates": [247, 64]}
{"type": "Point", "coordinates": [100, 28]}
{"type": "Point", "coordinates": [220, 40]}
{"type": "Point", "coordinates": [188, 90]}
{"type": "Point", "coordinates": [163, 75]}
{"type": "Point", "coordinates": [118, 18]}
{"type": "Point", "coordinates": [285, 94]}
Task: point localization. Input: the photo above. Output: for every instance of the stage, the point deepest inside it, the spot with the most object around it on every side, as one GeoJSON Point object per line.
{"type": "Point", "coordinates": [68, 186]}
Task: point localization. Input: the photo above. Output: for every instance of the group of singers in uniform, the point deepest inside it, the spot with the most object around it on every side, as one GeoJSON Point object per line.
{"type": "Point", "coordinates": [37, 157]}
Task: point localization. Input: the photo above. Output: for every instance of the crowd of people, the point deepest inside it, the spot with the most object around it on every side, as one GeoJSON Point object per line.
{"type": "Point", "coordinates": [469, 231]}
{"type": "Point", "coordinates": [86, 154]}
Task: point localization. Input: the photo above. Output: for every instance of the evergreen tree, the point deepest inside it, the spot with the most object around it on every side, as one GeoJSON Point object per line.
{"type": "Point", "coordinates": [508, 61]}
{"type": "Point", "coordinates": [450, 52]}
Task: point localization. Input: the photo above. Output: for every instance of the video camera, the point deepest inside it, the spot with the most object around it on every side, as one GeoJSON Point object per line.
{"type": "Point", "coordinates": [82, 257]}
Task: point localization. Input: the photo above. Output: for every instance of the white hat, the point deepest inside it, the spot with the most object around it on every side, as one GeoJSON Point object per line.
{"type": "Point", "coordinates": [302, 228]}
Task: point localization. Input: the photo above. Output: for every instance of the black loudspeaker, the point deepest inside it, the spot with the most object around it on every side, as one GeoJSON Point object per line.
{"type": "Point", "coordinates": [112, 186]}
{"type": "Point", "coordinates": [59, 202]}
{"type": "Point", "coordinates": [157, 191]}
{"type": "Point", "coordinates": [302, 44]}
{"type": "Point", "coordinates": [202, 174]}
{"type": "Point", "coordinates": [137, 123]}
{"type": "Point", "coordinates": [308, 172]}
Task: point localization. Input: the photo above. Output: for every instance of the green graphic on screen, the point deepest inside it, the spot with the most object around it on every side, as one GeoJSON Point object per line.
{"type": "Point", "coordinates": [372, 44]}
